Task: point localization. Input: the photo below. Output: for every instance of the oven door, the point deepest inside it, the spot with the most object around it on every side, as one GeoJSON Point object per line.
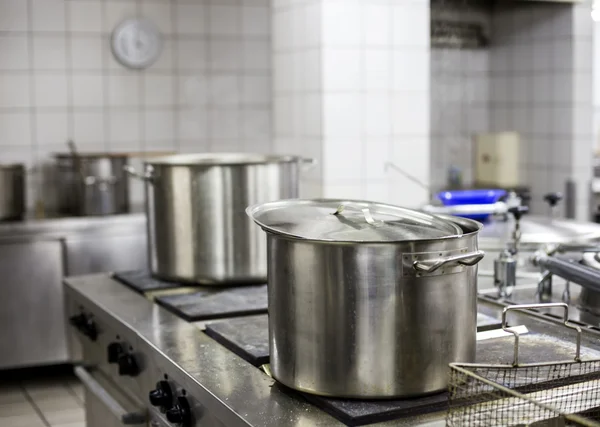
{"type": "Point", "coordinates": [105, 405]}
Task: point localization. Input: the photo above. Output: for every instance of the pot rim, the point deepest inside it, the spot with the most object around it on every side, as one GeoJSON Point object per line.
{"type": "Point", "coordinates": [469, 228]}
{"type": "Point", "coordinates": [111, 155]}
{"type": "Point", "coordinates": [224, 159]}
{"type": "Point", "coordinates": [366, 242]}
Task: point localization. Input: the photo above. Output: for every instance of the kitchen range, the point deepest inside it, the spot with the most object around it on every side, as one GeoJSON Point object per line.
{"type": "Point", "coordinates": [153, 363]}
{"type": "Point", "coordinates": [91, 229]}
{"type": "Point", "coordinates": [352, 337]}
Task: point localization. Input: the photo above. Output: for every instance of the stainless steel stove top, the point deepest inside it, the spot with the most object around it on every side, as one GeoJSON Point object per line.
{"type": "Point", "coordinates": [220, 387]}
{"type": "Point", "coordinates": [562, 291]}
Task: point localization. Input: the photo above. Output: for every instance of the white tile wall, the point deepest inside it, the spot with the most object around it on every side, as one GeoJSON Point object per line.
{"type": "Point", "coordinates": [534, 78]}
{"type": "Point", "coordinates": [14, 15]}
{"type": "Point", "coordinates": [15, 50]}
{"type": "Point", "coordinates": [461, 88]}
{"type": "Point", "coordinates": [51, 128]}
{"type": "Point", "coordinates": [548, 99]}
{"type": "Point", "coordinates": [210, 89]}
{"type": "Point", "coordinates": [84, 16]}
{"type": "Point", "coordinates": [596, 86]}
{"type": "Point", "coordinates": [17, 129]}
{"type": "Point", "coordinates": [351, 91]}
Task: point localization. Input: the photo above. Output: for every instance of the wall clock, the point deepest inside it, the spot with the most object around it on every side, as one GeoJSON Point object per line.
{"type": "Point", "coordinates": [136, 43]}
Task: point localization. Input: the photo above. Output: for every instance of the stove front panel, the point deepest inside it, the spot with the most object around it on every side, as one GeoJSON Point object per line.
{"type": "Point", "coordinates": [113, 351]}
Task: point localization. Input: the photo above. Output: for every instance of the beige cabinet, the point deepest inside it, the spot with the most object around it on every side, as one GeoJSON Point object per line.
{"type": "Point", "coordinates": [497, 159]}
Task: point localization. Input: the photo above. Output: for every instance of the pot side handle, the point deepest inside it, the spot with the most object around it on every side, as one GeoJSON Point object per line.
{"type": "Point", "coordinates": [308, 163]}
{"type": "Point", "coordinates": [431, 265]}
{"type": "Point", "coordinates": [148, 176]}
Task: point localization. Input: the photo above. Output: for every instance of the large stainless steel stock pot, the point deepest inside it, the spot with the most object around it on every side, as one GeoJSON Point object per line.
{"type": "Point", "coordinates": [368, 300]}
{"type": "Point", "coordinates": [197, 227]}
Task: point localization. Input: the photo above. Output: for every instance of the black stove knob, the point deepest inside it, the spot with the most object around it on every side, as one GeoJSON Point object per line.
{"type": "Point", "coordinates": [161, 396]}
{"type": "Point", "coordinates": [180, 414]}
{"type": "Point", "coordinates": [553, 198]}
{"type": "Point", "coordinates": [90, 330]}
{"type": "Point", "coordinates": [128, 365]}
{"type": "Point", "coordinates": [85, 324]}
{"type": "Point", "coordinates": [518, 211]}
{"type": "Point", "coordinates": [78, 320]}
{"type": "Point", "coordinates": [113, 351]}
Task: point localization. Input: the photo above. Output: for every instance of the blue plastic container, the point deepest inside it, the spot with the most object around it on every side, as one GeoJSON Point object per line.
{"type": "Point", "coordinates": [472, 197]}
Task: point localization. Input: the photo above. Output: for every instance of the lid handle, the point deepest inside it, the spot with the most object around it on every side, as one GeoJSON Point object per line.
{"type": "Point", "coordinates": [366, 213]}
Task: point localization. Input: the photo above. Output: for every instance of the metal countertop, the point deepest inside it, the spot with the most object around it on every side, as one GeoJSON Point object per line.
{"type": "Point", "coordinates": [56, 228]}
{"type": "Point", "coordinates": [234, 390]}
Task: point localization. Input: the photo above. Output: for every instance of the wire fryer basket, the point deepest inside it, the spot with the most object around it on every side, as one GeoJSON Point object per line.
{"type": "Point", "coordinates": [552, 394]}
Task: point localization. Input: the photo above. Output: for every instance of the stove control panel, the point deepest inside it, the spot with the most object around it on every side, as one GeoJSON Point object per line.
{"type": "Point", "coordinates": [85, 324]}
{"type": "Point", "coordinates": [162, 396]}
{"type": "Point", "coordinates": [180, 414]}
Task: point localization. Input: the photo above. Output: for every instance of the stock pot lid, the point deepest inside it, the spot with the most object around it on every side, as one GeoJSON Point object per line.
{"type": "Point", "coordinates": [349, 221]}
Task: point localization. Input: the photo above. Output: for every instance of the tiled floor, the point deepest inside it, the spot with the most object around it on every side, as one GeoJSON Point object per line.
{"type": "Point", "coordinates": [56, 402]}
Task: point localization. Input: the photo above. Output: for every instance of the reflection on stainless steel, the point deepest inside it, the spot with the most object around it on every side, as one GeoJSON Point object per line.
{"type": "Point", "coordinates": [34, 256]}
{"type": "Point", "coordinates": [498, 208]}
{"type": "Point", "coordinates": [97, 391]}
{"type": "Point", "coordinates": [537, 231]}
{"type": "Point", "coordinates": [526, 291]}
{"type": "Point", "coordinates": [32, 331]}
{"type": "Point", "coordinates": [589, 300]}
{"type": "Point", "coordinates": [347, 327]}
{"type": "Point", "coordinates": [92, 184]}
{"type": "Point", "coordinates": [499, 333]}
{"type": "Point", "coordinates": [505, 273]}
{"type": "Point", "coordinates": [359, 319]}
{"type": "Point", "coordinates": [570, 270]}
{"type": "Point", "coordinates": [198, 228]}
{"type": "Point", "coordinates": [12, 191]}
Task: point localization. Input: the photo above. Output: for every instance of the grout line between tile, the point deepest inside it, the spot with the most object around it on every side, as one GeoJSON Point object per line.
{"type": "Point", "coordinates": [176, 81]}
{"type": "Point", "coordinates": [75, 395]}
{"type": "Point", "coordinates": [105, 61]}
{"type": "Point", "coordinates": [38, 411]}
{"type": "Point", "coordinates": [69, 76]}
{"type": "Point", "coordinates": [362, 111]}
{"type": "Point", "coordinates": [141, 95]}
{"type": "Point", "coordinates": [32, 174]}
{"type": "Point", "coordinates": [209, 73]}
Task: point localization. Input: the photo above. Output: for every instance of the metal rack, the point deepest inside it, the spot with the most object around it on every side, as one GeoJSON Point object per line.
{"type": "Point", "coordinates": [565, 393]}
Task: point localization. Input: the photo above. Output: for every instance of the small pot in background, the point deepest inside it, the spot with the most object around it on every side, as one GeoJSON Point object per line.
{"type": "Point", "coordinates": [92, 184]}
{"type": "Point", "coordinates": [12, 192]}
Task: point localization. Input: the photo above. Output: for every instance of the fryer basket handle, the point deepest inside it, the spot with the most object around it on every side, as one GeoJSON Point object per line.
{"type": "Point", "coordinates": [535, 306]}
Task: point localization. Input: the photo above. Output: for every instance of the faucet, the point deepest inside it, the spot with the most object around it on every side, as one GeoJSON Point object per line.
{"type": "Point", "coordinates": [505, 266]}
